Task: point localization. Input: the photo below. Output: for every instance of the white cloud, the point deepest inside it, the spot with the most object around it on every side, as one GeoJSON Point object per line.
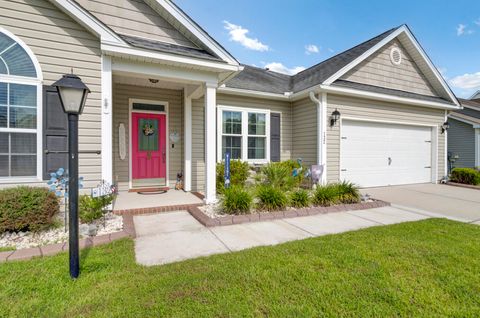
{"type": "Point", "coordinates": [311, 48]}
{"type": "Point", "coordinates": [467, 81]}
{"type": "Point", "coordinates": [280, 68]}
{"type": "Point", "coordinates": [331, 50]}
{"type": "Point", "coordinates": [239, 34]}
{"type": "Point", "coordinates": [477, 22]}
{"type": "Point", "coordinates": [463, 29]}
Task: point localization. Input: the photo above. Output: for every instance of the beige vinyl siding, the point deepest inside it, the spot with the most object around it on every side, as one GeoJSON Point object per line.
{"type": "Point", "coordinates": [198, 129]}
{"type": "Point", "coordinates": [121, 95]}
{"type": "Point", "coordinates": [378, 111]}
{"type": "Point", "coordinates": [304, 130]}
{"type": "Point", "coordinates": [378, 70]}
{"type": "Point", "coordinates": [135, 17]}
{"type": "Point", "coordinates": [198, 145]}
{"type": "Point", "coordinates": [461, 142]}
{"type": "Point", "coordinates": [59, 43]}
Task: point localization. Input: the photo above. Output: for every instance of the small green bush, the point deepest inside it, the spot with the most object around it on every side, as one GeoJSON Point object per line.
{"type": "Point", "coordinates": [465, 175]}
{"type": "Point", "coordinates": [27, 209]}
{"type": "Point", "coordinates": [326, 195]}
{"type": "Point", "coordinates": [300, 198]}
{"type": "Point", "coordinates": [236, 200]}
{"type": "Point", "coordinates": [277, 175]}
{"type": "Point", "coordinates": [347, 192]}
{"type": "Point", "coordinates": [91, 209]}
{"type": "Point", "coordinates": [239, 172]}
{"type": "Point", "coordinates": [271, 198]}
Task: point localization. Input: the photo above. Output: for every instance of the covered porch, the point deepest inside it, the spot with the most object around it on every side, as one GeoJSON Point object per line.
{"type": "Point", "coordinates": [149, 110]}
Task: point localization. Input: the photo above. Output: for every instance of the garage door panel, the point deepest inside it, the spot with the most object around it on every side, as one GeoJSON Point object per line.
{"type": "Point", "coordinates": [376, 154]}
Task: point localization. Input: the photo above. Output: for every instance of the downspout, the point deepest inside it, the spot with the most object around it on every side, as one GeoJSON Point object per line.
{"type": "Point", "coordinates": [321, 132]}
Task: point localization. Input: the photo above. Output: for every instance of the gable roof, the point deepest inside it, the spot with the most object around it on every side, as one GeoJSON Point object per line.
{"type": "Point", "coordinates": [263, 80]}
{"type": "Point", "coordinates": [470, 112]}
{"type": "Point", "coordinates": [475, 95]}
{"type": "Point", "coordinates": [209, 48]}
{"type": "Point", "coordinates": [329, 71]}
{"type": "Point", "coordinates": [143, 43]}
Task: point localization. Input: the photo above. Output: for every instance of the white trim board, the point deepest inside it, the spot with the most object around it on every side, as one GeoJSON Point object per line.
{"type": "Point", "coordinates": [88, 21]}
{"type": "Point", "coordinates": [130, 110]}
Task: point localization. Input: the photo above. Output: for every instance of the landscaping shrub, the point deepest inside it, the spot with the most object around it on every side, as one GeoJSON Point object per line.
{"type": "Point", "coordinates": [326, 195]}
{"type": "Point", "coordinates": [465, 175]}
{"type": "Point", "coordinates": [236, 200]}
{"type": "Point", "coordinates": [239, 172]}
{"type": "Point", "coordinates": [277, 175]}
{"type": "Point", "coordinates": [271, 198]}
{"type": "Point", "coordinates": [300, 198]}
{"type": "Point", "coordinates": [347, 192]}
{"type": "Point", "coordinates": [27, 209]}
{"type": "Point", "coordinates": [91, 209]}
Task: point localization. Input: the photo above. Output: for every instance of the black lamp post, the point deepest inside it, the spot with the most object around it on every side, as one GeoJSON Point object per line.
{"type": "Point", "coordinates": [73, 94]}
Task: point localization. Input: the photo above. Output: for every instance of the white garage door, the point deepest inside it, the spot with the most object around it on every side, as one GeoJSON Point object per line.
{"type": "Point", "coordinates": [378, 154]}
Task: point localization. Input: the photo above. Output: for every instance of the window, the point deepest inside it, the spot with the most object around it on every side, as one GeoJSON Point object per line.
{"type": "Point", "coordinates": [257, 137]}
{"type": "Point", "coordinates": [244, 134]}
{"type": "Point", "coordinates": [19, 110]}
{"type": "Point", "coordinates": [232, 134]}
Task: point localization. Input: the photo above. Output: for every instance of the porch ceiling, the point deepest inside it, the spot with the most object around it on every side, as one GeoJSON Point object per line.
{"type": "Point", "coordinates": [145, 82]}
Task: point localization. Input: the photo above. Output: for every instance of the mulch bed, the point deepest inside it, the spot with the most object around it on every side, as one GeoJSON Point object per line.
{"type": "Point", "coordinates": [265, 216]}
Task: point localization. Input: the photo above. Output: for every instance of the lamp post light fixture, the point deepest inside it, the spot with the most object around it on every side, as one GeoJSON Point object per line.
{"type": "Point", "coordinates": [445, 127]}
{"type": "Point", "coordinates": [335, 117]}
{"type": "Point", "coordinates": [73, 94]}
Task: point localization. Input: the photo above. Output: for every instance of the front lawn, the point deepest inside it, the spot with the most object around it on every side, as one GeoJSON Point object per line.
{"type": "Point", "coordinates": [426, 268]}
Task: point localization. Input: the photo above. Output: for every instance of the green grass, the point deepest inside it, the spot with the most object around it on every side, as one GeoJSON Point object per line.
{"type": "Point", "coordinates": [7, 248]}
{"type": "Point", "coordinates": [428, 268]}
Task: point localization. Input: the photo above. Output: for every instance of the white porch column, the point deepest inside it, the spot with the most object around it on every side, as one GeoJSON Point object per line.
{"type": "Point", "coordinates": [210, 141]}
{"type": "Point", "coordinates": [187, 170]}
{"type": "Point", "coordinates": [107, 115]}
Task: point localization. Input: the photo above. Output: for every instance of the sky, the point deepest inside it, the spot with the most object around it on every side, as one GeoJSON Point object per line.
{"type": "Point", "coordinates": [290, 35]}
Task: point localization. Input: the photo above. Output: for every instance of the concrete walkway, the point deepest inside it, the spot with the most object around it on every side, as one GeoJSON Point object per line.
{"type": "Point", "coordinates": [176, 236]}
{"type": "Point", "coordinates": [456, 203]}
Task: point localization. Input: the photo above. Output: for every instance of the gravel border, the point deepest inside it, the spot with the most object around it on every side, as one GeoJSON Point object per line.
{"type": "Point", "coordinates": [207, 221]}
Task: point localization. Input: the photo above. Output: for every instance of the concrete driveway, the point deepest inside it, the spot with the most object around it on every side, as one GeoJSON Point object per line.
{"type": "Point", "coordinates": [456, 203]}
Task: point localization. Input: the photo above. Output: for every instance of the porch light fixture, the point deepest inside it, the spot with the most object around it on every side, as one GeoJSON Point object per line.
{"type": "Point", "coordinates": [73, 94]}
{"type": "Point", "coordinates": [445, 127]}
{"type": "Point", "coordinates": [335, 117]}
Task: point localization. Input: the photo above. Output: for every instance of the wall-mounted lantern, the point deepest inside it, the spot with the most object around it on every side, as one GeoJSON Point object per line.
{"type": "Point", "coordinates": [445, 127]}
{"type": "Point", "coordinates": [335, 117]}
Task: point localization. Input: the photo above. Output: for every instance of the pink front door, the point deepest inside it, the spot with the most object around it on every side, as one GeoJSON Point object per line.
{"type": "Point", "coordinates": [148, 146]}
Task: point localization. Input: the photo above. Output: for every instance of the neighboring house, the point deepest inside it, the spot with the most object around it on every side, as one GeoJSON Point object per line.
{"type": "Point", "coordinates": [464, 134]}
{"type": "Point", "coordinates": [167, 98]}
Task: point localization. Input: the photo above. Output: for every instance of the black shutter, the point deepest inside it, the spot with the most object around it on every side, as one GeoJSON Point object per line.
{"type": "Point", "coordinates": [55, 132]}
{"type": "Point", "coordinates": [274, 137]}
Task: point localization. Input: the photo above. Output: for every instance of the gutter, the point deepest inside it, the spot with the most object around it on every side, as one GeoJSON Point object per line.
{"type": "Point", "coordinates": [321, 132]}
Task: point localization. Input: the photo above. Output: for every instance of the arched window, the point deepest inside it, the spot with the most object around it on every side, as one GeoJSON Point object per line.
{"type": "Point", "coordinates": [20, 111]}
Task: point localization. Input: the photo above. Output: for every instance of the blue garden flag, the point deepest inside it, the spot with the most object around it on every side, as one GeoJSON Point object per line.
{"type": "Point", "coordinates": [227, 170]}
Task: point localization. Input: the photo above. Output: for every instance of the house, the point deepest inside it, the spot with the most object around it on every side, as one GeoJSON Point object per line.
{"type": "Point", "coordinates": [464, 133]}
{"type": "Point", "coordinates": [167, 98]}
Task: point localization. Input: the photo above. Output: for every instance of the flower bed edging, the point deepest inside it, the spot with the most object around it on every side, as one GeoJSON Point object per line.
{"type": "Point", "coordinates": [463, 185]}
{"type": "Point", "coordinates": [258, 217]}
{"type": "Point", "coordinates": [54, 249]}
